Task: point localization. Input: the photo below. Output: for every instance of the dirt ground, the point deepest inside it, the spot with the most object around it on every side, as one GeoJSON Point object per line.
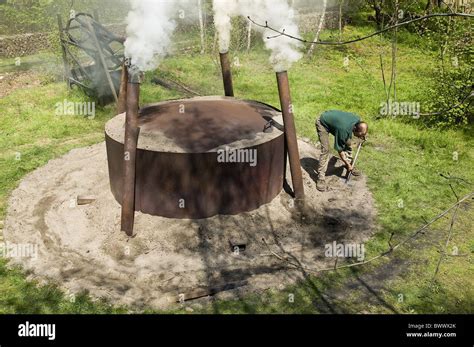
{"type": "Point", "coordinates": [81, 248]}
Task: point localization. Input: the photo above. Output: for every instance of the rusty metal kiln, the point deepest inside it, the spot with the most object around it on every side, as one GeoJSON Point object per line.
{"type": "Point", "coordinates": [190, 158]}
{"type": "Point", "coordinates": [194, 157]}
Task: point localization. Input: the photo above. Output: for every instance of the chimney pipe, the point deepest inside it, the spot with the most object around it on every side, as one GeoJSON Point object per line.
{"type": "Point", "coordinates": [227, 74]}
{"type": "Point", "coordinates": [130, 149]}
{"type": "Point", "coordinates": [122, 101]}
{"type": "Point", "coordinates": [290, 135]}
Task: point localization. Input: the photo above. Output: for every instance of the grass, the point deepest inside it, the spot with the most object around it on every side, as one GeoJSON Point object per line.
{"type": "Point", "coordinates": [402, 161]}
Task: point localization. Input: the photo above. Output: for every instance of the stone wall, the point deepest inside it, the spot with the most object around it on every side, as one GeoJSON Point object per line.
{"type": "Point", "coordinates": [25, 44]}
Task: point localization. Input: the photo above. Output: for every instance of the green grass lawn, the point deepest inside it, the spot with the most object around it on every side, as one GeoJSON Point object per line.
{"type": "Point", "coordinates": [402, 160]}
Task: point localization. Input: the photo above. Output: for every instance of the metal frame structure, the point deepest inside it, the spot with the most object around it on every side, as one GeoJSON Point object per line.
{"type": "Point", "coordinates": [88, 47]}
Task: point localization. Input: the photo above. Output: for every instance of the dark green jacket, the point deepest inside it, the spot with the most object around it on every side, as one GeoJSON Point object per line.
{"type": "Point", "coordinates": [341, 125]}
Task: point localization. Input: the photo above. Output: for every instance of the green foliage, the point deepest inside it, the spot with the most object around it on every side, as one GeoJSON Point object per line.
{"type": "Point", "coordinates": [449, 97]}
{"type": "Point", "coordinates": [451, 94]}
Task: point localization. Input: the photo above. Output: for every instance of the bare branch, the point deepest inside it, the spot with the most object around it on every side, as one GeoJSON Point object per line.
{"type": "Point", "coordinates": [469, 96]}
{"type": "Point", "coordinates": [450, 233]}
{"type": "Point", "coordinates": [453, 178]}
{"type": "Point", "coordinates": [337, 43]}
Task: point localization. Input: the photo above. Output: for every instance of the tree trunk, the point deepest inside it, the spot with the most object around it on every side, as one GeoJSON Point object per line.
{"type": "Point", "coordinates": [249, 36]}
{"type": "Point", "coordinates": [433, 3]}
{"type": "Point", "coordinates": [378, 14]}
{"type": "Point", "coordinates": [201, 26]}
{"type": "Point", "coordinates": [320, 28]}
{"type": "Point", "coordinates": [341, 3]}
{"type": "Point", "coordinates": [393, 81]}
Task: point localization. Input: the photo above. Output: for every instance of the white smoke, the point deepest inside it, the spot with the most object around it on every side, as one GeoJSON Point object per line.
{"type": "Point", "coordinates": [277, 13]}
{"type": "Point", "coordinates": [150, 26]}
{"type": "Point", "coordinates": [224, 10]}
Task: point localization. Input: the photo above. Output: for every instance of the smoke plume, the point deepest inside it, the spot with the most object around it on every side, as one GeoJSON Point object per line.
{"type": "Point", "coordinates": [150, 26]}
{"type": "Point", "coordinates": [278, 14]}
{"type": "Point", "coordinates": [224, 10]}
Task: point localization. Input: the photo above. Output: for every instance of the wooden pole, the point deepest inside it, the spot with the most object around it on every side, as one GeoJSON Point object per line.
{"type": "Point", "coordinates": [102, 60]}
{"type": "Point", "coordinates": [67, 70]}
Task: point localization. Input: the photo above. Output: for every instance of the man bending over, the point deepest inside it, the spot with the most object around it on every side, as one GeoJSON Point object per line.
{"type": "Point", "coordinates": [342, 125]}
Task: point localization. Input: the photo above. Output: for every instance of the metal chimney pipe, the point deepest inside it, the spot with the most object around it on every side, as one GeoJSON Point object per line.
{"type": "Point", "coordinates": [290, 134]}
{"type": "Point", "coordinates": [227, 74]}
{"type": "Point", "coordinates": [130, 149]}
{"type": "Point", "coordinates": [122, 101]}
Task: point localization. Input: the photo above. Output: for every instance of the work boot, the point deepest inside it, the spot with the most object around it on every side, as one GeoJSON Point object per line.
{"type": "Point", "coordinates": [322, 186]}
{"type": "Point", "coordinates": [356, 173]}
